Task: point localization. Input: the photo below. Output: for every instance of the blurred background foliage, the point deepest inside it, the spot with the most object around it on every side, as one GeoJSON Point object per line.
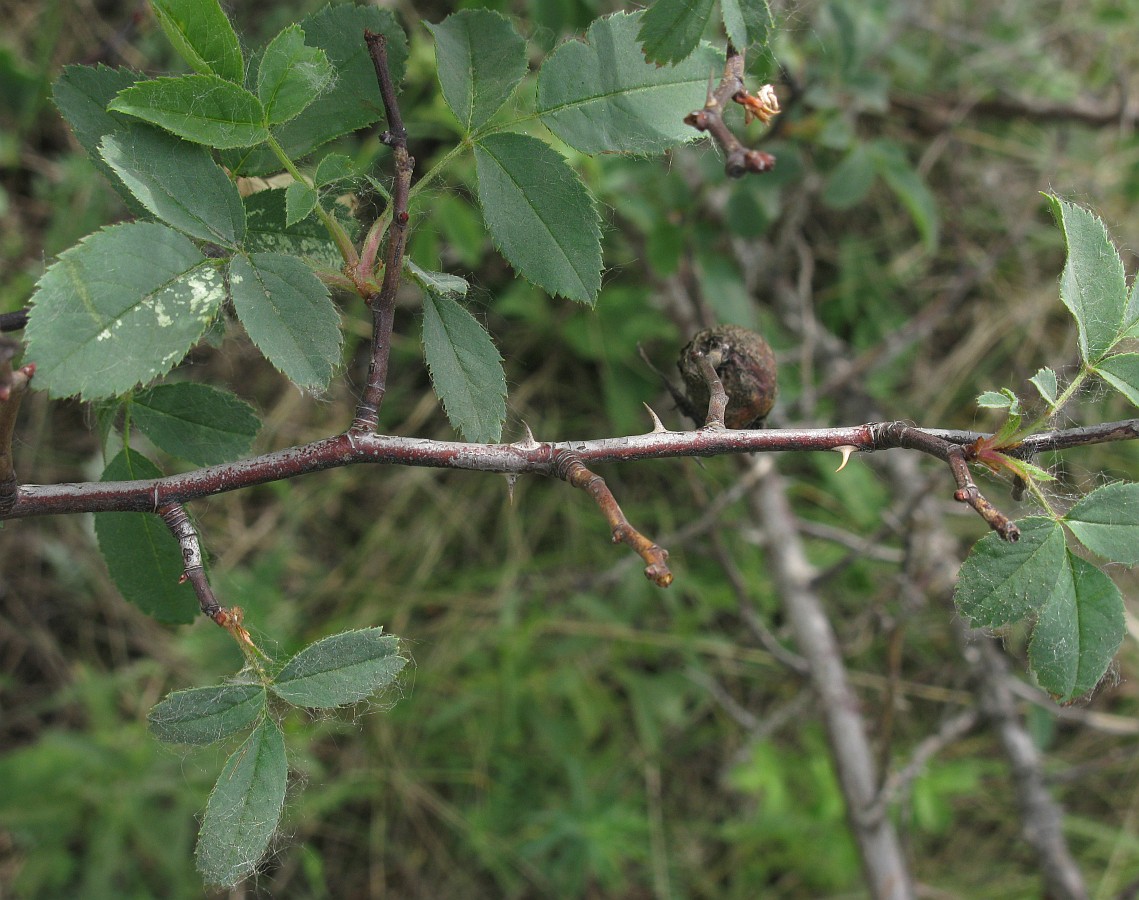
{"type": "Point", "coordinates": [567, 730]}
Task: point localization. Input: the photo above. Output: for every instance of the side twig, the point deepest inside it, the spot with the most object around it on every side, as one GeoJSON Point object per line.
{"type": "Point", "coordinates": [897, 786]}
{"type": "Point", "coordinates": [383, 302]}
{"type": "Point", "coordinates": [194, 570]}
{"type": "Point", "coordinates": [738, 159]}
{"type": "Point", "coordinates": [967, 492]}
{"type": "Point", "coordinates": [571, 469]}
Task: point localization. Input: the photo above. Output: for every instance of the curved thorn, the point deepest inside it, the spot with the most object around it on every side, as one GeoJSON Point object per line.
{"type": "Point", "coordinates": [658, 425]}
{"type": "Point", "coordinates": [845, 450]}
{"type": "Point", "coordinates": [528, 442]}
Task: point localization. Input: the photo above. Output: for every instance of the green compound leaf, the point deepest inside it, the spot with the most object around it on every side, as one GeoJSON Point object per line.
{"type": "Point", "coordinates": [994, 400]}
{"type": "Point", "coordinates": [195, 422]}
{"type": "Point", "coordinates": [352, 102]}
{"type": "Point", "coordinates": [291, 75]}
{"type": "Point", "coordinates": [267, 231]}
{"type": "Point", "coordinates": [286, 312]}
{"type": "Point", "coordinates": [481, 58]}
{"type": "Point", "coordinates": [334, 167]}
{"type": "Point", "coordinates": [1045, 382]}
{"type": "Point", "coordinates": [466, 369]}
{"type": "Point", "coordinates": [300, 201]}
{"type": "Point", "coordinates": [1106, 521]}
{"type": "Point", "coordinates": [179, 182]}
{"type": "Point", "coordinates": [747, 22]}
{"type": "Point", "coordinates": [1078, 630]}
{"type": "Point", "coordinates": [341, 669]}
{"type": "Point", "coordinates": [1092, 286]}
{"type": "Point", "coordinates": [1001, 582]}
{"type": "Point", "coordinates": [1122, 373]}
{"type": "Point", "coordinates": [1131, 317]}
{"type": "Point", "coordinates": [204, 109]}
{"type": "Point", "coordinates": [203, 36]}
{"type": "Point", "coordinates": [602, 95]}
{"type": "Point", "coordinates": [81, 94]}
{"type": "Point", "coordinates": [244, 808]}
{"type": "Point", "coordinates": [442, 283]}
{"type": "Point", "coordinates": [671, 29]}
{"type": "Point", "coordinates": [208, 714]}
{"type": "Point", "coordinates": [119, 309]}
{"type": "Point", "coordinates": [540, 215]}
{"type": "Point", "coordinates": [141, 554]}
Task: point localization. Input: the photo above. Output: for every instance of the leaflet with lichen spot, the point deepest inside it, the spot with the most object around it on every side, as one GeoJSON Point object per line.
{"type": "Point", "coordinates": [119, 309]}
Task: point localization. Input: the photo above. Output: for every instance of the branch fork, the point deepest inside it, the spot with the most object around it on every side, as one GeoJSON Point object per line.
{"type": "Point", "coordinates": [738, 159]}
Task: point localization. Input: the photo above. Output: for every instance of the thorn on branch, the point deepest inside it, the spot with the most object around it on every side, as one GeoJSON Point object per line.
{"type": "Point", "coordinates": [738, 159]}
{"type": "Point", "coordinates": [529, 442]}
{"type": "Point", "coordinates": [678, 396]}
{"type": "Point", "coordinates": [570, 469]}
{"type": "Point", "coordinates": [658, 425]}
{"type": "Point", "coordinates": [846, 450]}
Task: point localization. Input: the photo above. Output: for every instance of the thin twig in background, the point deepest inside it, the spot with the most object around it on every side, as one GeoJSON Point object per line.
{"type": "Point", "coordinates": [1040, 815]}
{"type": "Point", "coordinates": [898, 783]}
{"type": "Point", "coordinates": [884, 864]}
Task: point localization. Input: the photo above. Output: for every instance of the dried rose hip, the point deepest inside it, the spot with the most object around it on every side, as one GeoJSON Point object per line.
{"type": "Point", "coordinates": [746, 367]}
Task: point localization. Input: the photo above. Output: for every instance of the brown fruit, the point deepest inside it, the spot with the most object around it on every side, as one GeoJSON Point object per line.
{"type": "Point", "coordinates": [746, 367]}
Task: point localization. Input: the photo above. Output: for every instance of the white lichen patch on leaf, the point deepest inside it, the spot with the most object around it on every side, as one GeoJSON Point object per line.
{"type": "Point", "coordinates": [132, 322]}
{"type": "Point", "coordinates": [161, 317]}
{"type": "Point", "coordinates": [206, 291]}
